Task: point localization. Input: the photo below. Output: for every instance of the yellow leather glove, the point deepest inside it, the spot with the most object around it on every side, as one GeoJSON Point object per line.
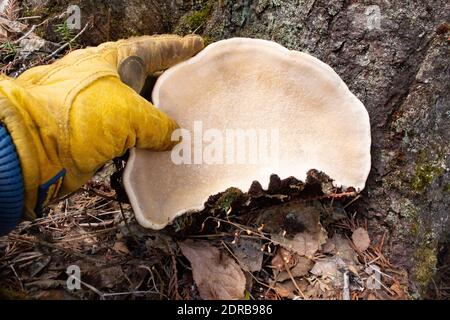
{"type": "Point", "coordinates": [68, 118]}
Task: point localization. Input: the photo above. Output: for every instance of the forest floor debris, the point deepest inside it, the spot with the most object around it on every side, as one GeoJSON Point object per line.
{"type": "Point", "coordinates": [246, 248]}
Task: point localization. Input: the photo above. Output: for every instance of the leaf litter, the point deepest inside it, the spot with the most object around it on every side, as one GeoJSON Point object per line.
{"type": "Point", "coordinates": [217, 276]}
{"type": "Point", "coordinates": [243, 245]}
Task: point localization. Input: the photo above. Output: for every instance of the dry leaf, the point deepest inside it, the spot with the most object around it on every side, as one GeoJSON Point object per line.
{"type": "Point", "coordinates": [38, 265]}
{"type": "Point", "coordinates": [304, 243]}
{"type": "Point", "coordinates": [319, 288]}
{"type": "Point", "coordinates": [300, 269]}
{"type": "Point", "coordinates": [217, 276]}
{"type": "Point", "coordinates": [287, 289]}
{"type": "Point", "coordinates": [282, 258]}
{"type": "Point", "coordinates": [121, 247]}
{"type": "Point", "coordinates": [110, 277]}
{"type": "Point", "coordinates": [371, 296]}
{"type": "Point", "coordinates": [344, 250]}
{"type": "Point", "coordinates": [328, 267]}
{"type": "Point", "coordinates": [45, 284]}
{"type": "Point", "coordinates": [396, 287]}
{"type": "Point", "coordinates": [249, 255]}
{"type": "Point", "coordinates": [328, 247]}
{"type": "Point", "coordinates": [301, 231]}
{"type": "Point", "coordinates": [361, 239]}
{"type": "Point", "coordinates": [31, 44]}
{"type": "Point", "coordinates": [345, 258]}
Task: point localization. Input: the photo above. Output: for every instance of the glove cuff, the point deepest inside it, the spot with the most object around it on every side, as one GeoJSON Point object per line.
{"type": "Point", "coordinates": [17, 123]}
{"type": "Point", "coordinates": [12, 192]}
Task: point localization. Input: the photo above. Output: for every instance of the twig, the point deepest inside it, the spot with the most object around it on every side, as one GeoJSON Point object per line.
{"type": "Point", "coordinates": [90, 235]}
{"type": "Point", "coordinates": [97, 224]}
{"type": "Point", "coordinates": [56, 247]}
{"type": "Point", "coordinates": [29, 18]}
{"type": "Point", "coordinates": [96, 193]}
{"type": "Point", "coordinates": [18, 278]}
{"type": "Point", "coordinates": [201, 25]}
{"type": "Point", "coordinates": [346, 289]}
{"type": "Point", "coordinates": [26, 34]}
{"type": "Point", "coordinates": [250, 273]}
{"type": "Point", "coordinates": [104, 295]}
{"type": "Point", "coordinates": [153, 279]}
{"type": "Point", "coordinates": [54, 53]}
{"type": "Point", "coordinates": [173, 283]}
{"type": "Point", "coordinates": [353, 200]}
{"type": "Point", "coordinates": [293, 280]}
{"type": "Point", "coordinates": [94, 289]}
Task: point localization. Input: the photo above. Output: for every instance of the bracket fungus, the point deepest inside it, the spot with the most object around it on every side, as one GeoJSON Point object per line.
{"type": "Point", "coordinates": [248, 108]}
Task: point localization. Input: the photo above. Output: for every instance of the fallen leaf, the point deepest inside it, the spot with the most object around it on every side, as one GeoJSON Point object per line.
{"type": "Point", "coordinates": [38, 265]}
{"type": "Point", "coordinates": [282, 259]}
{"type": "Point", "coordinates": [304, 244]}
{"type": "Point", "coordinates": [371, 296]}
{"type": "Point", "coordinates": [328, 247]}
{"type": "Point", "coordinates": [396, 287]}
{"type": "Point", "coordinates": [300, 269]}
{"type": "Point", "coordinates": [295, 226]}
{"type": "Point", "coordinates": [121, 247]}
{"type": "Point", "coordinates": [249, 255]}
{"type": "Point", "coordinates": [217, 276]}
{"type": "Point", "coordinates": [285, 289]}
{"type": "Point", "coordinates": [160, 241]}
{"type": "Point", "coordinates": [288, 289]}
{"type": "Point", "coordinates": [361, 239]}
{"type": "Point", "coordinates": [110, 277]}
{"type": "Point", "coordinates": [328, 267]}
{"type": "Point", "coordinates": [31, 44]}
{"type": "Point", "coordinates": [12, 26]}
{"type": "Point", "coordinates": [319, 288]}
{"type": "Point", "coordinates": [344, 250]}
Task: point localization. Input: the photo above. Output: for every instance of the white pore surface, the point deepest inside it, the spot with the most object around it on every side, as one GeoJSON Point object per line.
{"type": "Point", "coordinates": [250, 84]}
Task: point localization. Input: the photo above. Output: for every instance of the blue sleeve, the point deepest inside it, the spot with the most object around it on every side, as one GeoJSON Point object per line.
{"type": "Point", "coordinates": [11, 184]}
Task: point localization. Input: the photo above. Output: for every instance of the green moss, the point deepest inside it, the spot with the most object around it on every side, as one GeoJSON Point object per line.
{"type": "Point", "coordinates": [415, 228]}
{"type": "Point", "coordinates": [425, 172]}
{"type": "Point", "coordinates": [447, 187]}
{"type": "Point", "coordinates": [193, 218]}
{"type": "Point", "coordinates": [194, 20]}
{"type": "Point", "coordinates": [228, 197]}
{"type": "Point", "coordinates": [183, 221]}
{"type": "Point", "coordinates": [208, 40]}
{"type": "Point", "coordinates": [424, 175]}
{"type": "Point", "coordinates": [425, 265]}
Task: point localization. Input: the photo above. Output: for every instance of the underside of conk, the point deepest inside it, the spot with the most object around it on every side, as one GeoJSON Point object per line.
{"type": "Point", "coordinates": [250, 108]}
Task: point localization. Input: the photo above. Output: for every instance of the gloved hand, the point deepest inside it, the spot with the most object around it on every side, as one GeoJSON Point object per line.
{"type": "Point", "coordinates": [68, 118]}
